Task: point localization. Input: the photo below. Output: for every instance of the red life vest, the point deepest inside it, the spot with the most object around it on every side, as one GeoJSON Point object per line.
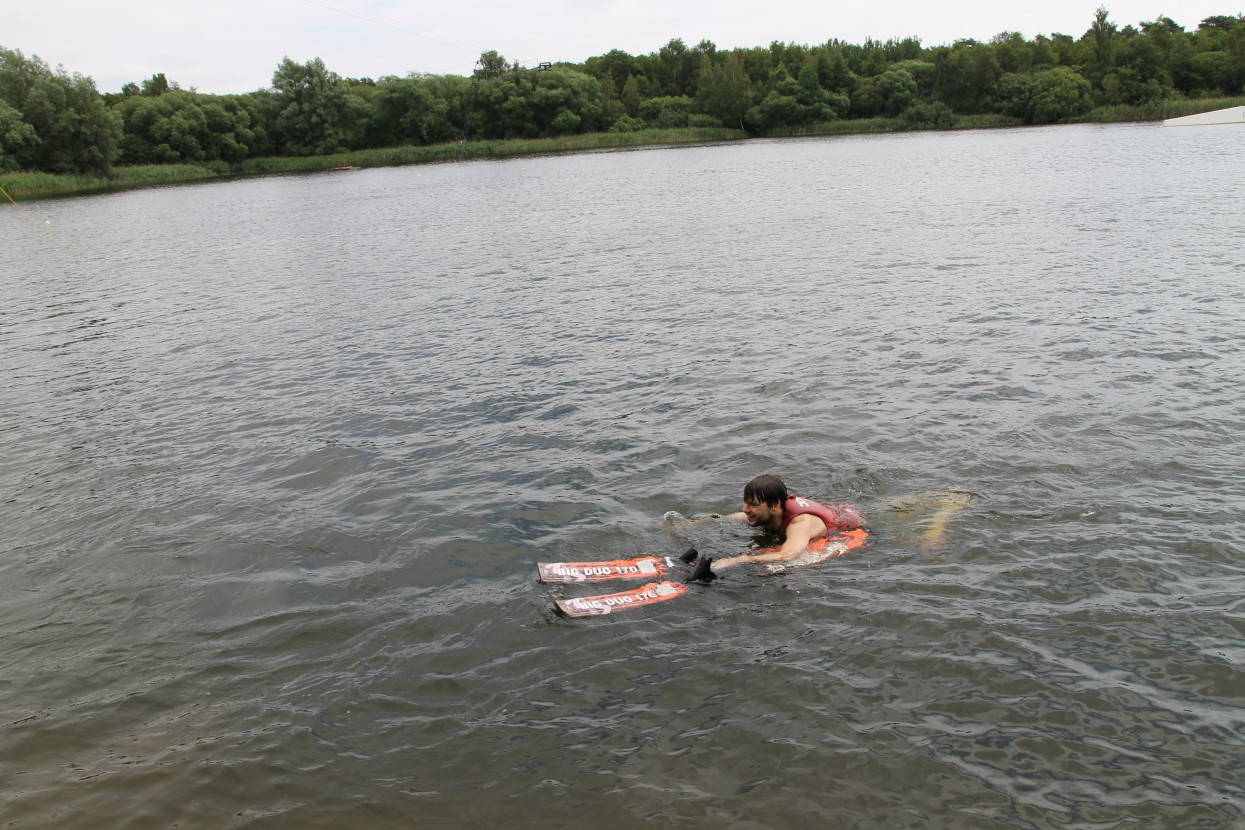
{"type": "Point", "coordinates": [836, 516]}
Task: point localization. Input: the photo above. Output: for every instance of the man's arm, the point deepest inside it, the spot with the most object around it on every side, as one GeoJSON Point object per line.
{"type": "Point", "coordinates": [673, 522]}
{"type": "Point", "coordinates": [799, 533]}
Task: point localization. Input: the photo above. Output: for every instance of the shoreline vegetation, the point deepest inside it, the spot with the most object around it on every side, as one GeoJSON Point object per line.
{"type": "Point", "coordinates": [60, 136]}
{"type": "Point", "coordinates": [40, 185]}
{"type": "Point", "coordinates": [36, 185]}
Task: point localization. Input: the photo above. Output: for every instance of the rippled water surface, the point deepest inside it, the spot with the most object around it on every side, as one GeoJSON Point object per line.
{"type": "Point", "coordinates": [280, 457]}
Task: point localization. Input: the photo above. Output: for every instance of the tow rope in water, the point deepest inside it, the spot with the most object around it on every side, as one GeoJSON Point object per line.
{"type": "Point", "coordinates": [36, 224]}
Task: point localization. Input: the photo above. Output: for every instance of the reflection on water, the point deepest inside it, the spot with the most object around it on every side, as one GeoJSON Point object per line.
{"type": "Point", "coordinates": [281, 456]}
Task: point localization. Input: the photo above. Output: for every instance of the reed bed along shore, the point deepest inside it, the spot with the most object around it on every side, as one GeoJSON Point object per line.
{"type": "Point", "coordinates": [38, 185]}
{"type": "Point", "coordinates": [1159, 110]}
{"type": "Point", "coordinates": [24, 185]}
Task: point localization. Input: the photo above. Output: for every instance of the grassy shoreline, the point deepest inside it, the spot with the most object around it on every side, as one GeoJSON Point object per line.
{"type": "Point", "coordinates": [51, 185]}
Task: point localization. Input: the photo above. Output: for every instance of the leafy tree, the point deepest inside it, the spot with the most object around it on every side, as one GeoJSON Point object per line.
{"type": "Point", "coordinates": [833, 72]}
{"type": "Point", "coordinates": [923, 73]}
{"type": "Point", "coordinates": [160, 131]}
{"type": "Point", "coordinates": [964, 75]}
{"type": "Point", "coordinates": [757, 64]}
{"type": "Point", "coordinates": [76, 132]}
{"type": "Point", "coordinates": [1214, 73]}
{"type": "Point", "coordinates": [708, 52]}
{"type": "Point", "coordinates": [1045, 97]}
{"type": "Point", "coordinates": [787, 54]}
{"type": "Point", "coordinates": [611, 106]}
{"type": "Point", "coordinates": [1125, 85]}
{"type": "Point", "coordinates": [701, 120]}
{"type": "Point", "coordinates": [1101, 38]}
{"type": "Point", "coordinates": [872, 60]}
{"type": "Point", "coordinates": [794, 102]}
{"type": "Point", "coordinates": [417, 110]}
{"type": "Point", "coordinates": [931, 116]}
{"type": "Point", "coordinates": [1042, 53]}
{"type": "Point", "coordinates": [1227, 35]}
{"type": "Point", "coordinates": [676, 67]}
{"type": "Point", "coordinates": [314, 112]}
{"type": "Point", "coordinates": [533, 104]}
{"type": "Point", "coordinates": [631, 96]}
{"type": "Point", "coordinates": [1147, 56]}
{"type": "Point", "coordinates": [819, 104]}
{"type": "Point", "coordinates": [492, 65]}
{"type": "Point", "coordinates": [887, 94]}
{"type": "Point", "coordinates": [778, 77]}
{"type": "Point", "coordinates": [16, 137]}
{"type": "Point", "coordinates": [184, 126]}
{"type": "Point", "coordinates": [1065, 50]}
{"type": "Point", "coordinates": [908, 49]}
{"type": "Point", "coordinates": [567, 101]}
{"type": "Point", "coordinates": [1059, 94]}
{"type": "Point", "coordinates": [357, 114]}
{"type": "Point", "coordinates": [775, 111]}
{"type": "Point", "coordinates": [73, 132]}
{"type": "Point", "coordinates": [454, 91]}
{"type": "Point", "coordinates": [19, 75]}
{"type": "Point", "coordinates": [1012, 52]}
{"type": "Point", "coordinates": [898, 90]}
{"type": "Point", "coordinates": [615, 64]}
{"type": "Point", "coordinates": [156, 85]}
{"type": "Point", "coordinates": [1013, 95]}
{"type": "Point", "coordinates": [627, 124]}
{"type": "Point", "coordinates": [670, 112]}
{"type": "Point", "coordinates": [725, 92]}
{"type": "Point", "coordinates": [645, 67]}
{"type": "Point", "coordinates": [1222, 23]}
{"type": "Point", "coordinates": [499, 110]}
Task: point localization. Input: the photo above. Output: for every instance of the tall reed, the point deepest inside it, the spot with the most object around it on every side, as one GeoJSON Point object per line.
{"type": "Point", "coordinates": [1159, 110]}
{"type": "Point", "coordinates": [29, 185]}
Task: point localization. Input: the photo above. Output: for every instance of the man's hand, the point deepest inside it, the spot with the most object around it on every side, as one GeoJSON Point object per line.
{"type": "Point", "coordinates": [803, 529]}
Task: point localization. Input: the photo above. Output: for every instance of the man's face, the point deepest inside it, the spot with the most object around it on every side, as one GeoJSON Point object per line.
{"type": "Point", "coordinates": [757, 513]}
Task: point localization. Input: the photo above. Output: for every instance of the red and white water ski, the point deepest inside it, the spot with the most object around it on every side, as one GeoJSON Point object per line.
{"type": "Point", "coordinates": [819, 550]}
{"type": "Point", "coordinates": [644, 566]}
{"type": "Point", "coordinates": [634, 598]}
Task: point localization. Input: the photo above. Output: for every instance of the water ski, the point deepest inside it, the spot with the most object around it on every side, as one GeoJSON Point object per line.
{"type": "Point", "coordinates": [634, 598]}
{"type": "Point", "coordinates": [602, 571]}
{"type": "Point", "coordinates": [819, 550]}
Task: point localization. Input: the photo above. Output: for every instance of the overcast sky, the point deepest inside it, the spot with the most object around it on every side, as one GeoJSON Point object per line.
{"type": "Point", "coordinates": [230, 46]}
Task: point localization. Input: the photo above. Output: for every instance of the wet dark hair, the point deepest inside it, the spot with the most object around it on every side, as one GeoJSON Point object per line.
{"type": "Point", "coordinates": [766, 488]}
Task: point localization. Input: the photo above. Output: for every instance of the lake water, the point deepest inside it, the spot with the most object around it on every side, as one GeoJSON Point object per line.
{"type": "Point", "coordinates": [280, 457]}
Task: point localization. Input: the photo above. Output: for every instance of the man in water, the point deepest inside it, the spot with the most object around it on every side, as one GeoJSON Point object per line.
{"type": "Point", "coordinates": [796, 520]}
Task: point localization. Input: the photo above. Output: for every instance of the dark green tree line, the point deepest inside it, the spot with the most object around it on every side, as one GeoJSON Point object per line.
{"type": "Point", "coordinates": [181, 126]}
{"type": "Point", "coordinates": [51, 120]}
